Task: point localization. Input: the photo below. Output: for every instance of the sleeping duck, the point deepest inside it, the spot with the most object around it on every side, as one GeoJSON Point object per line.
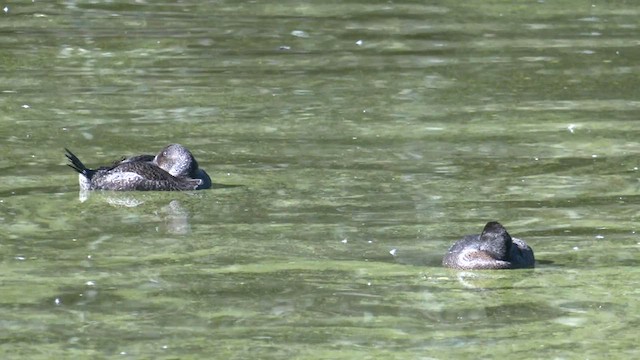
{"type": "Point", "coordinates": [493, 249]}
{"type": "Point", "coordinates": [173, 169]}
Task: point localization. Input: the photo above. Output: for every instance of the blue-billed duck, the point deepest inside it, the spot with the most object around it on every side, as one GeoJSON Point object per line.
{"type": "Point", "coordinates": [493, 249]}
{"type": "Point", "coordinates": [173, 168]}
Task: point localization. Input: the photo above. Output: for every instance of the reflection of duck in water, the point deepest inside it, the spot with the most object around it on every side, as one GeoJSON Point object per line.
{"type": "Point", "coordinates": [174, 168]}
{"type": "Point", "coordinates": [493, 249]}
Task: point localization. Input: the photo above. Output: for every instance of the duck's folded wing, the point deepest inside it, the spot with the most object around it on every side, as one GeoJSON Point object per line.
{"type": "Point", "coordinates": [141, 176]}
{"type": "Point", "coordinates": [175, 184]}
{"type": "Point", "coordinates": [141, 158]}
{"type": "Point", "coordinates": [130, 181]}
{"type": "Point", "coordinates": [473, 259]}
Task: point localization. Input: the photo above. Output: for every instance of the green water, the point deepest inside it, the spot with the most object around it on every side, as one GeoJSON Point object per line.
{"type": "Point", "coordinates": [337, 133]}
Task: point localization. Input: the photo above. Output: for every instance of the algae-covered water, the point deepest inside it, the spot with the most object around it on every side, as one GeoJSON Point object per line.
{"type": "Point", "coordinates": [350, 144]}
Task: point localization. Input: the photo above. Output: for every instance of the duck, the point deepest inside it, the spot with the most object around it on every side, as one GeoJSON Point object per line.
{"type": "Point", "coordinates": [493, 249]}
{"type": "Point", "coordinates": [178, 161]}
{"type": "Point", "coordinates": [174, 168]}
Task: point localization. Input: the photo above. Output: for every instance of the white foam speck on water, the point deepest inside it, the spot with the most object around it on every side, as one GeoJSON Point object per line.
{"type": "Point", "coordinates": [570, 321]}
{"type": "Point", "coordinates": [300, 33]}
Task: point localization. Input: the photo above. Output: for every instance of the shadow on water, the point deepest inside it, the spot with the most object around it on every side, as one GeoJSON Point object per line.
{"type": "Point", "coordinates": [225, 186]}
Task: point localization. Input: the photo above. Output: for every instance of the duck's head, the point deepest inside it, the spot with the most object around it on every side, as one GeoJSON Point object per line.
{"type": "Point", "coordinates": [177, 161]}
{"type": "Point", "coordinates": [496, 241]}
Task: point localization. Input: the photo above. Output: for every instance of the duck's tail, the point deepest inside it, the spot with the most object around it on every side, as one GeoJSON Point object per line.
{"type": "Point", "coordinates": [77, 165]}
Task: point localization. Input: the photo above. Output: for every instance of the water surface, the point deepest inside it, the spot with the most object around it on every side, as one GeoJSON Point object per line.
{"type": "Point", "coordinates": [351, 144]}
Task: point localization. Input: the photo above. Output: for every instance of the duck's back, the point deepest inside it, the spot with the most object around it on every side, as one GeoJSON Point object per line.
{"type": "Point", "coordinates": [468, 254]}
